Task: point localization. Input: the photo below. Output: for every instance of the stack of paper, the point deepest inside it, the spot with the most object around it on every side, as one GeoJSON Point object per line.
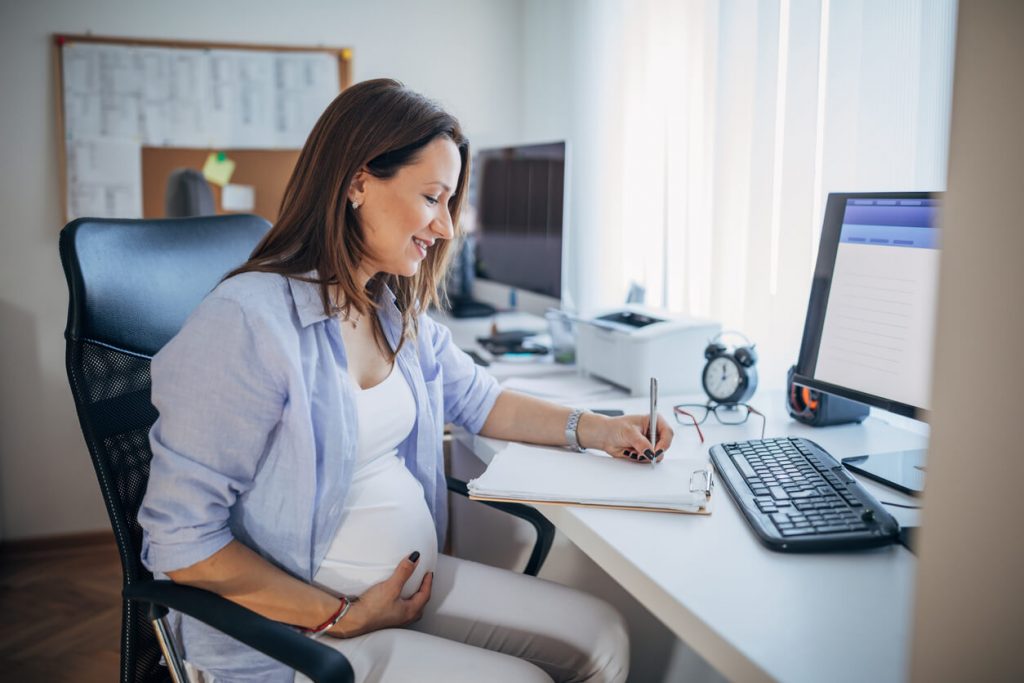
{"type": "Point", "coordinates": [547, 475]}
{"type": "Point", "coordinates": [565, 386]}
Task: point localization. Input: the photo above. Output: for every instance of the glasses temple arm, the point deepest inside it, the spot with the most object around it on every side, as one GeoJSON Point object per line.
{"type": "Point", "coordinates": [680, 411]}
{"type": "Point", "coordinates": [764, 420]}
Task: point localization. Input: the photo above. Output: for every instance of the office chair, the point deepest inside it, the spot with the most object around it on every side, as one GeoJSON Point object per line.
{"type": "Point", "coordinates": [132, 284]}
{"type": "Point", "coordinates": [188, 194]}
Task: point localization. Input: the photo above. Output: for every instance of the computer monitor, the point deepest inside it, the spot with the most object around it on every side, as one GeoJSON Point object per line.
{"type": "Point", "coordinates": [870, 324]}
{"type": "Point", "coordinates": [518, 198]}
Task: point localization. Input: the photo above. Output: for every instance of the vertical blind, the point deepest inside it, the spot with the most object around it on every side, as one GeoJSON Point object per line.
{"type": "Point", "coordinates": [733, 122]}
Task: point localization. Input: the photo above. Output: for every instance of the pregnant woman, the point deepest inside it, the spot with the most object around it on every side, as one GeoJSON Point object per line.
{"type": "Point", "coordinates": [297, 460]}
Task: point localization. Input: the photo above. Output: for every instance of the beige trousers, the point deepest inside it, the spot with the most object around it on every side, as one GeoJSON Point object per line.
{"type": "Point", "coordinates": [491, 624]}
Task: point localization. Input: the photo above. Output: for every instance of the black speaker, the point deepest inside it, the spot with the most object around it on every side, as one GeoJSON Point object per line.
{"type": "Point", "coordinates": [819, 409]}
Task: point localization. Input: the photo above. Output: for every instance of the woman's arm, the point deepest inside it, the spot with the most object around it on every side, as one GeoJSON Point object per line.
{"type": "Point", "coordinates": [518, 417]}
{"type": "Point", "coordinates": [237, 573]}
{"type": "Point", "coordinates": [241, 575]}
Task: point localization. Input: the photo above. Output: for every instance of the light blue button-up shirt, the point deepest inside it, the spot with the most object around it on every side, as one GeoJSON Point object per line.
{"type": "Point", "coordinates": [257, 434]}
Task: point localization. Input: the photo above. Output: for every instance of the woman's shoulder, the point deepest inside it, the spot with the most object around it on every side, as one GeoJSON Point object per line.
{"type": "Point", "coordinates": [251, 286]}
{"type": "Point", "coordinates": [245, 319]}
{"type": "Point", "coordinates": [256, 294]}
{"type": "Point", "coordinates": [264, 302]}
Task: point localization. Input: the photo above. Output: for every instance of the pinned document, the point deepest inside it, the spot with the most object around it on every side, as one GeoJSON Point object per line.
{"type": "Point", "coordinates": [238, 198]}
{"type": "Point", "coordinates": [218, 169]}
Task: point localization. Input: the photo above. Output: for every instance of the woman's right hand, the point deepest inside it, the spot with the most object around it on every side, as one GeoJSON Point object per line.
{"type": "Point", "coordinates": [382, 605]}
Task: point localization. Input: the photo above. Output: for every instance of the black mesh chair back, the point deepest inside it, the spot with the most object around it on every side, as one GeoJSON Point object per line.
{"type": "Point", "coordinates": [132, 284]}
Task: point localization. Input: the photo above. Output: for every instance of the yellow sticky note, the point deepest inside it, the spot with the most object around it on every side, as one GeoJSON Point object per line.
{"type": "Point", "coordinates": [218, 169]}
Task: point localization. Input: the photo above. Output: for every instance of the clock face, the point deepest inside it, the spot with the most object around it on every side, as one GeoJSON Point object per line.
{"type": "Point", "coordinates": [722, 378]}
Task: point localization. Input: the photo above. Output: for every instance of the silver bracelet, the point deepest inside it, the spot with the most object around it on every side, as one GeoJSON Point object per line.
{"type": "Point", "coordinates": [570, 430]}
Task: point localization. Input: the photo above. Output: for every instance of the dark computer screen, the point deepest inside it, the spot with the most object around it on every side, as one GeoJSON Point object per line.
{"type": "Point", "coordinates": [870, 324]}
{"type": "Point", "coordinates": [518, 194]}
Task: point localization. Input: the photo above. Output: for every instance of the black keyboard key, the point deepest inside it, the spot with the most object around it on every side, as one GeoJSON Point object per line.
{"type": "Point", "coordinates": [780, 517]}
{"type": "Point", "coordinates": [743, 466]}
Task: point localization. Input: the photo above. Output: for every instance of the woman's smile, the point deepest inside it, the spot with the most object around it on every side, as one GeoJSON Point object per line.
{"type": "Point", "coordinates": [422, 246]}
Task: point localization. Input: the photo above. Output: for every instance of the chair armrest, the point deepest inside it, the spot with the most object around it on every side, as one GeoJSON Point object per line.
{"type": "Point", "coordinates": [545, 529]}
{"type": "Point", "coordinates": [283, 643]}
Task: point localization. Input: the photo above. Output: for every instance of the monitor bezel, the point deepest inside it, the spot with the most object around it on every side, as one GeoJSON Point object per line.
{"type": "Point", "coordinates": [821, 285]}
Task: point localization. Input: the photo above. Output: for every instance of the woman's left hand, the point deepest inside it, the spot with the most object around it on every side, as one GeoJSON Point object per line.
{"type": "Point", "coordinates": [624, 437]}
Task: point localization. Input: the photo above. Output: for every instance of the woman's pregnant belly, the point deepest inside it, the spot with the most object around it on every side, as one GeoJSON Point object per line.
{"type": "Point", "coordinates": [386, 519]}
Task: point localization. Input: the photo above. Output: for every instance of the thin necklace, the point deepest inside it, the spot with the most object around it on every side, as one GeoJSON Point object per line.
{"type": "Point", "coordinates": [347, 317]}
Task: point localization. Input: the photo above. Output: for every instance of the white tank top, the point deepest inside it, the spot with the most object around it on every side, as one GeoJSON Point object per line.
{"type": "Point", "coordinates": [386, 516]}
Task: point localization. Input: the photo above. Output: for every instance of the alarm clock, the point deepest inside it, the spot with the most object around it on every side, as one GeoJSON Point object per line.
{"type": "Point", "coordinates": [730, 374]}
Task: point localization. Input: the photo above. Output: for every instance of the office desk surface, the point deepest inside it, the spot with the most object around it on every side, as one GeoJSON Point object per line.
{"type": "Point", "coordinates": [752, 613]}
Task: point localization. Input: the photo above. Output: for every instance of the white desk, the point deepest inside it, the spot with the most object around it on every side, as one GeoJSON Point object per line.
{"type": "Point", "coordinates": [751, 613]}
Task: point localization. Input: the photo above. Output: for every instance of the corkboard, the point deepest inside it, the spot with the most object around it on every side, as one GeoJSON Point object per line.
{"type": "Point", "coordinates": [266, 170]}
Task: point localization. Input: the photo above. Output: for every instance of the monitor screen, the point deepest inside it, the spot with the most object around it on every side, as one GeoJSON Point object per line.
{"type": "Point", "coordinates": [518, 194]}
{"type": "Point", "coordinates": [870, 322]}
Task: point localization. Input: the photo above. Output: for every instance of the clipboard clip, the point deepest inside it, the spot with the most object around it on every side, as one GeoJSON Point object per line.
{"type": "Point", "coordinates": [703, 481]}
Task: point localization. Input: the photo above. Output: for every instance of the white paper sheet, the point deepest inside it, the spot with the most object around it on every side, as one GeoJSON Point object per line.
{"type": "Point", "coordinates": [563, 386]}
{"type": "Point", "coordinates": [101, 92]}
{"type": "Point", "coordinates": [238, 197]}
{"type": "Point", "coordinates": [104, 178]}
{"type": "Point", "coordinates": [306, 84]}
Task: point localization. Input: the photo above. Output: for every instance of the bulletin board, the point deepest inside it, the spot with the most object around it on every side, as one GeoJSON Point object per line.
{"type": "Point", "coordinates": [131, 111]}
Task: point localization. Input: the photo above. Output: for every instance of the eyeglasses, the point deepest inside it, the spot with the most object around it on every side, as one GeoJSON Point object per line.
{"type": "Point", "coordinates": [694, 414]}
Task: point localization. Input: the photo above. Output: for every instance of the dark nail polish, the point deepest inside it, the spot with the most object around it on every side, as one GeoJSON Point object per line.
{"type": "Point", "coordinates": [633, 456]}
{"type": "Point", "coordinates": [649, 453]}
{"type": "Point", "coordinates": [415, 556]}
{"type": "Point", "coordinates": [625, 452]}
{"type": "Point", "coordinates": [660, 451]}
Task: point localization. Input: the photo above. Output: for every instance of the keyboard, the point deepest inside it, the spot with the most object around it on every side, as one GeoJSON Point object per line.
{"type": "Point", "coordinates": [797, 498]}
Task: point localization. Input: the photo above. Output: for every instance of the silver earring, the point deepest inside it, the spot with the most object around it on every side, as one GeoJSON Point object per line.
{"type": "Point", "coordinates": [355, 204]}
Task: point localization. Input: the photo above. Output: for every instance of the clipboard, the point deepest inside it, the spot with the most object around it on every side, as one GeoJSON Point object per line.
{"type": "Point", "coordinates": [545, 476]}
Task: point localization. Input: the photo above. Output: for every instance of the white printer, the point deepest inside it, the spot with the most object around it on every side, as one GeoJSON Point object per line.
{"type": "Point", "coordinates": [629, 345]}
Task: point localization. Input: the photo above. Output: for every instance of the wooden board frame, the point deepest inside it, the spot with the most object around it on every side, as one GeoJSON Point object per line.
{"type": "Point", "coordinates": [343, 55]}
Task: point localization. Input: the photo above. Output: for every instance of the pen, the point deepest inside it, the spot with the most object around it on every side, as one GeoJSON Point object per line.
{"type": "Point", "coordinates": [654, 418]}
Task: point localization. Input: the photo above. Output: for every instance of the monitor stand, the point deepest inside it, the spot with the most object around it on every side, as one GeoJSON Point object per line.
{"type": "Point", "coordinates": [902, 470]}
{"type": "Point", "coordinates": [465, 307]}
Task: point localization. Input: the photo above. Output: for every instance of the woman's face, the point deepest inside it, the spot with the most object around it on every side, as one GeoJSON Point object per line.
{"type": "Point", "coordinates": [404, 215]}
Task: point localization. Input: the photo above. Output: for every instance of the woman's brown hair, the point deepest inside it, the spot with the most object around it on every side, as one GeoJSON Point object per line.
{"type": "Point", "coordinates": [379, 125]}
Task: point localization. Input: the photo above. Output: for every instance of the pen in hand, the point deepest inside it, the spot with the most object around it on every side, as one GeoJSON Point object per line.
{"type": "Point", "coordinates": [653, 428]}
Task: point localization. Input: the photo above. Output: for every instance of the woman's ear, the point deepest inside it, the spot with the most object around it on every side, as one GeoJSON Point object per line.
{"type": "Point", "coordinates": [357, 188]}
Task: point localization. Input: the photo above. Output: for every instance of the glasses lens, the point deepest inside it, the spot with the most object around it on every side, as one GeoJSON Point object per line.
{"type": "Point", "coordinates": [697, 410]}
{"type": "Point", "coordinates": [732, 413]}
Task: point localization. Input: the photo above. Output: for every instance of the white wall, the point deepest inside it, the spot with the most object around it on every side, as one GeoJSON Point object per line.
{"type": "Point", "coordinates": [465, 53]}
